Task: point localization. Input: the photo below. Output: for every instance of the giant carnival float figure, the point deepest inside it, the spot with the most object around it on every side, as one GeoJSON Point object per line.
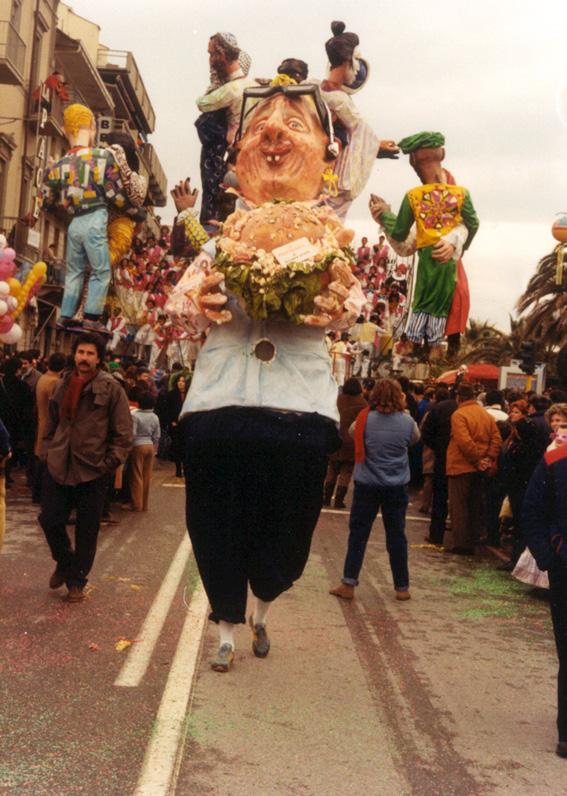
{"type": "Point", "coordinates": [87, 184]}
{"type": "Point", "coordinates": [445, 220]}
{"type": "Point", "coordinates": [261, 415]}
{"type": "Point", "coordinates": [220, 111]}
{"type": "Point", "coordinates": [348, 73]}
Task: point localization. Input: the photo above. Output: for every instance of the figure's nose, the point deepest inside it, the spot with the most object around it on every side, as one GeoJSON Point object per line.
{"type": "Point", "coordinates": [274, 130]}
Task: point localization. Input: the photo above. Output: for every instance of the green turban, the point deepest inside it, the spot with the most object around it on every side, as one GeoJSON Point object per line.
{"type": "Point", "coordinates": [421, 141]}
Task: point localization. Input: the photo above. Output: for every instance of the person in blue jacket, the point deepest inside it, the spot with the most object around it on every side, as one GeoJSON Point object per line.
{"type": "Point", "coordinates": [544, 521]}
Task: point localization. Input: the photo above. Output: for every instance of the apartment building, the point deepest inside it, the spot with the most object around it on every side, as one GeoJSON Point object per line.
{"type": "Point", "coordinates": [50, 57]}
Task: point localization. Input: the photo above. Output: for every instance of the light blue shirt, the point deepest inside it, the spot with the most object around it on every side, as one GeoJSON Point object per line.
{"type": "Point", "coordinates": [228, 373]}
{"type": "Point", "coordinates": [386, 442]}
{"type": "Point", "coordinates": [146, 427]}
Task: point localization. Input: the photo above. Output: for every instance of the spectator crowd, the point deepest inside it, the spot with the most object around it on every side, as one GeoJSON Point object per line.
{"type": "Point", "coordinates": [377, 337]}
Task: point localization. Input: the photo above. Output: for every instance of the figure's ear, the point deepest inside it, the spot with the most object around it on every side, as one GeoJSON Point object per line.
{"type": "Point", "coordinates": [442, 153]}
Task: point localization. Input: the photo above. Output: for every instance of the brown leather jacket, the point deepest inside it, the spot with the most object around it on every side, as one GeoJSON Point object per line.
{"type": "Point", "coordinates": [99, 438]}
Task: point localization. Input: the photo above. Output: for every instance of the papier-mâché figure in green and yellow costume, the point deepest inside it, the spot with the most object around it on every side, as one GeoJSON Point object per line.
{"type": "Point", "coordinates": [437, 209]}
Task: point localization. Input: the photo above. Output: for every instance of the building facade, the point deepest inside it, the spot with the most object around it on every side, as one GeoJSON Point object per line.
{"type": "Point", "coordinates": [51, 57]}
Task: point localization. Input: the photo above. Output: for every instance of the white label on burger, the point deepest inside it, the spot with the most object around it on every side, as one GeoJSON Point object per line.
{"type": "Point", "coordinates": [298, 251]}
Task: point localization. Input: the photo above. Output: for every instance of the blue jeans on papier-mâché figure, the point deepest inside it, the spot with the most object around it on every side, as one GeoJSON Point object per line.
{"type": "Point", "coordinates": [87, 245]}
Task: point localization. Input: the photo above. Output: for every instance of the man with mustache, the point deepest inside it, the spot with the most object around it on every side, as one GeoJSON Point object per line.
{"type": "Point", "coordinates": [88, 435]}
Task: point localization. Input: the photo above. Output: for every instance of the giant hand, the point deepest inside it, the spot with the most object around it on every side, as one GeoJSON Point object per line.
{"type": "Point", "coordinates": [378, 206]}
{"type": "Point", "coordinates": [211, 300]}
{"type": "Point", "coordinates": [443, 252]}
{"type": "Point", "coordinates": [330, 303]}
{"type": "Point", "coordinates": [183, 197]}
{"type": "Point", "coordinates": [388, 149]}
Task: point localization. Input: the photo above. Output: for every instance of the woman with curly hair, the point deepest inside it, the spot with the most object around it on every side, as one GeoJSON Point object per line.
{"type": "Point", "coordinates": [382, 434]}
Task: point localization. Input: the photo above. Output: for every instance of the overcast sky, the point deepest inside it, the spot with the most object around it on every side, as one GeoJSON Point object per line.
{"type": "Point", "coordinates": [491, 76]}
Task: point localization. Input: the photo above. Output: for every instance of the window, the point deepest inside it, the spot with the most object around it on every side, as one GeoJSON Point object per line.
{"type": "Point", "coordinates": [7, 146]}
{"type": "Point", "coordinates": [16, 14]}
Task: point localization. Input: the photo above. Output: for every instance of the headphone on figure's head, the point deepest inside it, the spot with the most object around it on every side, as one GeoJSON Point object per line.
{"type": "Point", "coordinates": [332, 149]}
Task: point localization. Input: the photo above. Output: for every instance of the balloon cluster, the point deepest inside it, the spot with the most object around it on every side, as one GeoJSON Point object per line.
{"type": "Point", "coordinates": [13, 294]}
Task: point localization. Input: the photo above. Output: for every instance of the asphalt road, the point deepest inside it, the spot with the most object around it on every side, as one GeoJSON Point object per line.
{"type": "Point", "coordinates": [450, 693]}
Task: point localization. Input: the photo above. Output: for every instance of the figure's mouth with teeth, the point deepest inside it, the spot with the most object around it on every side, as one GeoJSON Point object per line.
{"type": "Point", "coordinates": [274, 157]}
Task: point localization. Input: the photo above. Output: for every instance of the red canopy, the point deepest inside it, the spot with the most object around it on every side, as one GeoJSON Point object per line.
{"type": "Point", "coordinates": [481, 371]}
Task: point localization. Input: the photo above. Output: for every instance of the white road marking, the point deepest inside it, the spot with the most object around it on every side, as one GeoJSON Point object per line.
{"type": "Point", "coordinates": [345, 512]}
{"type": "Point", "coordinates": [139, 656]}
{"type": "Point", "coordinates": [163, 754]}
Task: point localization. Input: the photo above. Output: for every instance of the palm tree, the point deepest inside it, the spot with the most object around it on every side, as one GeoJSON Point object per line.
{"type": "Point", "coordinates": [484, 342]}
{"type": "Point", "coordinates": [543, 304]}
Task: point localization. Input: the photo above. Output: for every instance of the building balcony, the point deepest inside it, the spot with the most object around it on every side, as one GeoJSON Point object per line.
{"type": "Point", "coordinates": [26, 243]}
{"type": "Point", "coordinates": [157, 181]}
{"type": "Point", "coordinates": [51, 292]}
{"type": "Point", "coordinates": [7, 228]}
{"type": "Point", "coordinates": [12, 55]}
{"type": "Point", "coordinates": [120, 72]}
{"type": "Point", "coordinates": [82, 73]}
{"type": "Point", "coordinates": [47, 119]}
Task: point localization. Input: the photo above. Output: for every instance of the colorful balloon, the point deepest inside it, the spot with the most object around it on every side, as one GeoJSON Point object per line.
{"type": "Point", "coordinates": [6, 323]}
{"type": "Point", "coordinates": [15, 286]}
{"type": "Point", "coordinates": [33, 282]}
{"type": "Point", "coordinates": [7, 269]}
{"type": "Point", "coordinates": [4, 289]}
{"type": "Point", "coordinates": [13, 336]}
{"type": "Point", "coordinates": [3, 307]}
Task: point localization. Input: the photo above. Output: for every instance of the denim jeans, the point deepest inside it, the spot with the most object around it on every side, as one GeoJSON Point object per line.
{"type": "Point", "coordinates": [87, 245]}
{"type": "Point", "coordinates": [366, 502]}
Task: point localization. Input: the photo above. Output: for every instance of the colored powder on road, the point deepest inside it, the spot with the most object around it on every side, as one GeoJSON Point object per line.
{"type": "Point", "coordinates": [495, 594]}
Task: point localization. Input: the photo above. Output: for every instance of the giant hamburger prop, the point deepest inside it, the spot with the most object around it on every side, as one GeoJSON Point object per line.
{"type": "Point", "coordinates": [278, 257]}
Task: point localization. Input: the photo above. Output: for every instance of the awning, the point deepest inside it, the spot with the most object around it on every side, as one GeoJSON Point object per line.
{"type": "Point", "coordinates": [481, 371]}
{"type": "Point", "coordinates": [82, 73]}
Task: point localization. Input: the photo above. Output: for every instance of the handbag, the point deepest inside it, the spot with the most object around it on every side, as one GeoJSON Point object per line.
{"type": "Point", "coordinates": [527, 571]}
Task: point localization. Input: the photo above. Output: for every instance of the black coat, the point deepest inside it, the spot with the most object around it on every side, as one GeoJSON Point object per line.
{"type": "Point", "coordinates": [17, 409]}
{"type": "Point", "coordinates": [520, 456]}
{"type": "Point", "coordinates": [173, 406]}
{"type": "Point", "coordinates": [436, 427]}
{"type": "Point", "coordinates": [543, 436]}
